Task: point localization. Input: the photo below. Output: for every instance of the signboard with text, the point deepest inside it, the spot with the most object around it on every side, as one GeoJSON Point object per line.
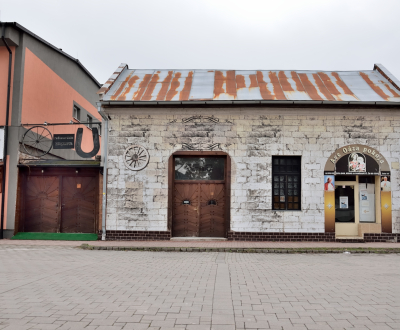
{"type": "Point", "coordinates": [63, 141]}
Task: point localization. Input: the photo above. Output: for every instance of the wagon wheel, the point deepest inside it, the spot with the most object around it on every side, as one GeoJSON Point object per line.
{"type": "Point", "coordinates": [136, 157]}
{"type": "Point", "coordinates": [37, 141]}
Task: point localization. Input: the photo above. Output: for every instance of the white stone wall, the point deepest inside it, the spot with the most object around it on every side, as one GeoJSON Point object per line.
{"type": "Point", "coordinates": [251, 136]}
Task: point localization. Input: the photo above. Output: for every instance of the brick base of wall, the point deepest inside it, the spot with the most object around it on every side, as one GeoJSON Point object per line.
{"type": "Point", "coordinates": [383, 237]}
{"type": "Point", "coordinates": [135, 235]}
{"type": "Point", "coordinates": [280, 237]}
{"type": "Point", "coordinates": [126, 235]}
{"type": "Point", "coordinates": [309, 237]}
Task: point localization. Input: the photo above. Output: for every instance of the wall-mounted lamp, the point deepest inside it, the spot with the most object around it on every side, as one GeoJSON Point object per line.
{"type": "Point", "coordinates": [42, 171]}
{"type": "Point", "coordinates": [76, 171]}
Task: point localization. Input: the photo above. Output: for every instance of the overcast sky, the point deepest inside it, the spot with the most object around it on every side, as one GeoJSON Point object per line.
{"type": "Point", "coordinates": [217, 34]}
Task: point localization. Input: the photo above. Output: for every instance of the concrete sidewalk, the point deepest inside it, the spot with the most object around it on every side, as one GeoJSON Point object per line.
{"type": "Point", "coordinates": [203, 244]}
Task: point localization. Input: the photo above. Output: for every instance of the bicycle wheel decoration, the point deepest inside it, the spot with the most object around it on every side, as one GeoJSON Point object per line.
{"type": "Point", "coordinates": [136, 157]}
{"type": "Point", "coordinates": [37, 141]}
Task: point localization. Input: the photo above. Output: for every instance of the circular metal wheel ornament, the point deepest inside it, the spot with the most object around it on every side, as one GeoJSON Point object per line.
{"type": "Point", "coordinates": [136, 157]}
{"type": "Point", "coordinates": [37, 141]}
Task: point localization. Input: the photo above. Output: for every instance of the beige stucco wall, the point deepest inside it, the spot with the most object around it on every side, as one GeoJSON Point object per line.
{"type": "Point", "coordinates": [251, 136]}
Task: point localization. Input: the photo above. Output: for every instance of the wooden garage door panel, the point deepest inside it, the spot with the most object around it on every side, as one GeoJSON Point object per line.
{"type": "Point", "coordinates": [41, 204]}
{"type": "Point", "coordinates": [78, 204]}
{"type": "Point", "coordinates": [212, 217]}
{"type": "Point", "coordinates": [186, 217]}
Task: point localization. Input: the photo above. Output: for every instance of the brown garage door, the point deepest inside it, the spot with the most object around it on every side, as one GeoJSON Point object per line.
{"type": "Point", "coordinates": [199, 197]}
{"type": "Point", "coordinates": [41, 204]}
{"type": "Point", "coordinates": [59, 203]}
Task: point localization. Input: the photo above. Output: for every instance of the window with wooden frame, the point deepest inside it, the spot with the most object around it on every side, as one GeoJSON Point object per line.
{"type": "Point", "coordinates": [286, 182]}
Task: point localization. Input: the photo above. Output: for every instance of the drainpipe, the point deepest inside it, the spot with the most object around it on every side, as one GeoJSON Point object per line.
{"type": "Point", "coordinates": [104, 142]}
{"type": "Point", "coordinates": [3, 186]}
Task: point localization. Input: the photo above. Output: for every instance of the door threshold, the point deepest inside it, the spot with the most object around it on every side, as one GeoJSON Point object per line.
{"type": "Point", "coordinates": [349, 237]}
{"type": "Point", "coordinates": [198, 239]}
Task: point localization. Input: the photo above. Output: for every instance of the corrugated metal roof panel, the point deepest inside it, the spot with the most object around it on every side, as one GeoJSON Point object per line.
{"type": "Point", "coordinates": [250, 85]}
{"type": "Point", "coordinates": [359, 86]}
{"type": "Point", "coordinates": [202, 85]}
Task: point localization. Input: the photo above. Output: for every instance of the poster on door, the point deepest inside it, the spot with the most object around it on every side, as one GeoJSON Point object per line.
{"type": "Point", "coordinates": [344, 202]}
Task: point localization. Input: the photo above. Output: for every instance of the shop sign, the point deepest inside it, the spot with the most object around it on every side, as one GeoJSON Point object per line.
{"type": "Point", "coordinates": [355, 149]}
{"type": "Point", "coordinates": [356, 160]}
{"type": "Point", "coordinates": [63, 141]}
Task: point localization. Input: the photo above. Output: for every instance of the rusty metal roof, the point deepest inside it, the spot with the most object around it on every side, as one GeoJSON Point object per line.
{"type": "Point", "coordinates": [162, 86]}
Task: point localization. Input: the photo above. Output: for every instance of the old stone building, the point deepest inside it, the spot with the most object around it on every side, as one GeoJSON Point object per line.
{"type": "Point", "coordinates": [261, 155]}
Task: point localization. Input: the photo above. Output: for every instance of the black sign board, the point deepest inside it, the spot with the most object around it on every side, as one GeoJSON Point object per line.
{"type": "Point", "coordinates": [357, 163]}
{"type": "Point", "coordinates": [63, 141]}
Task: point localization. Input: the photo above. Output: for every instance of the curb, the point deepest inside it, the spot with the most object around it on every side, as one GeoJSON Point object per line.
{"type": "Point", "coordinates": [243, 250]}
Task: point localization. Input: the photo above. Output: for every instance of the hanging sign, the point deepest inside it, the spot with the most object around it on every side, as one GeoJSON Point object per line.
{"type": "Point", "coordinates": [63, 141]}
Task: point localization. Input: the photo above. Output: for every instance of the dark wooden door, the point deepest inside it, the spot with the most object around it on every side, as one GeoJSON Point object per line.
{"type": "Point", "coordinates": [186, 210]}
{"type": "Point", "coordinates": [41, 204]}
{"type": "Point", "coordinates": [212, 210]}
{"type": "Point", "coordinates": [78, 210]}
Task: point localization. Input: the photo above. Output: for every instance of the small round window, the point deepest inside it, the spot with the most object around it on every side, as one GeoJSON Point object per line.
{"type": "Point", "coordinates": [212, 202]}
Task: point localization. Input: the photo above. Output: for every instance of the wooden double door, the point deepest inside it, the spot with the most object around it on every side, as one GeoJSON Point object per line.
{"type": "Point", "coordinates": [199, 210]}
{"type": "Point", "coordinates": [59, 203]}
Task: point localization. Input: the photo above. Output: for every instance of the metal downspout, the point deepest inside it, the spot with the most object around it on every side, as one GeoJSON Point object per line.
{"type": "Point", "coordinates": [104, 142]}
{"type": "Point", "coordinates": [3, 184]}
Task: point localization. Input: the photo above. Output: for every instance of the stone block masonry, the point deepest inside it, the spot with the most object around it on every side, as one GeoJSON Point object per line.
{"type": "Point", "coordinates": [138, 200]}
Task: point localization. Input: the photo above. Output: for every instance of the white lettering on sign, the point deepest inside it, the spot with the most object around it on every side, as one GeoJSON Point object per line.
{"type": "Point", "coordinates": [350, 149]}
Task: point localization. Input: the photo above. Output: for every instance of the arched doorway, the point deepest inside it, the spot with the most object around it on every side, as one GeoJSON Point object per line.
{"type": "Point", "coordinates": [357, 192]}
{"type": "Point", "coordinates": [199, 194]}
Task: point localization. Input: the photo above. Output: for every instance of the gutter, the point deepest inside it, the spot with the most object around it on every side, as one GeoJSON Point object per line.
{"type": "Point", "coordinates": [104, 143]}
{"type": "Point", "coordinates": [3, 184]}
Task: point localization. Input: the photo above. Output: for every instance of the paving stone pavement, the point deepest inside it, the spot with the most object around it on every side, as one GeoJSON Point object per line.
{"type": "Point", "coordinates": [61, 287]}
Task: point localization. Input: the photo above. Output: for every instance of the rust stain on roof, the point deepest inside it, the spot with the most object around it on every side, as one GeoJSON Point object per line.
{"type": "Point", "coordinates": [394, 93]}
{"type": "Point", "coordinates": [218, 84]}
{"type": "Point", "coordinates": [253, 81]}
{"type": "Point", "coordinates": [150, 88]}
{"type": "Point", "coordinates": [105, 86]}
{"type": "Point", "coordinates": [185, 92]}
{"type": "Point", "coordinates": [229, 81]}
{"type": "Point", "coordinates": [240, 83]}
{"type": "Point", "coordinates": [164, 87]}
{"type": "Point", "coordinates": [142, 87]}
{"type": "Point", "coordinates": [284, 82]}
{"type": "Point", "coordinates": [299, 85]}
{"type": "Point", "coordinates": [329, 84]}
{"type": "Point", "coordinates": [264, 91]}
{"type": "Point", "coordinates": [131, 83]}
{"type": "Point", "coordinates": [309, 87]}
{"type": "Point", "coordinates": [342, 85]}
{"type": "Point", "coordinates": [376, 89]}
{"type": "Point", "coordinates": [174, 86]}
{"type": "Point", "coordinates": [322, 88]}
{"type": "Point", "coordinates": [121, 87]}
{"type": "Point", "coordinates": [277, 88]}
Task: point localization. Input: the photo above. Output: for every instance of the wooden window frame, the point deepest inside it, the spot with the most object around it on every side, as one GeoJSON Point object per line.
{"type": "Point", "coordinates": [286, 173]}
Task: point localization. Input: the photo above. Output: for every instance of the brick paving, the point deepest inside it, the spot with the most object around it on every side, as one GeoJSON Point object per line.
{"type": "Point", "coordinates": [61, 287]}
{"type": "Point", "coordinates": [206, 244]}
